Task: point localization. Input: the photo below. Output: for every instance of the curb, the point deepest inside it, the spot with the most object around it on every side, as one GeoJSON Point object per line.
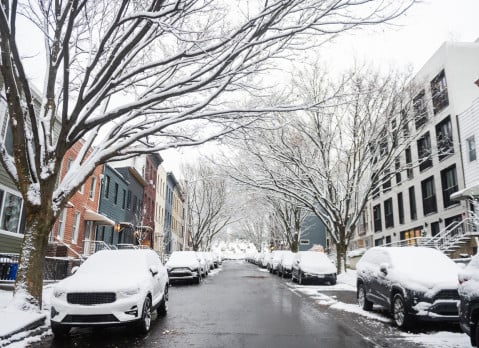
{"type": "Point", "coordinates": [35, 328]}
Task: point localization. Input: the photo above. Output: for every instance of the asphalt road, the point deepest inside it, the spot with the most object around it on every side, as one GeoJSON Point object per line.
{"type": "Point", "coordinates": [243, 306]}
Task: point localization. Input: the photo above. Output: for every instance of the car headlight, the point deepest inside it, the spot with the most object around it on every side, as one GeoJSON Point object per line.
{"type": "Point", "coordinates": [58, 293]}
{"type": "Point", "coordinates": [129, 292]}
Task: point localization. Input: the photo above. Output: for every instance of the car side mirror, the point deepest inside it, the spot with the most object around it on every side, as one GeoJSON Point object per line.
{"type": "Point", "coordinates": [74, 270]}
{"type": "Point", "coordinates": [384, 268]}
{"type": "Point", "coordinates": [154, 270]}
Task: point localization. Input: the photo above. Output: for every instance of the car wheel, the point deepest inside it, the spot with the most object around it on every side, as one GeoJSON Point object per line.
{"type": "Point", "coordinates": [162, 310]}
{"type": "Point", "coordinates": [197, 280]}
{"type": "Point", "coordinates": [362, 300]}
{"type": "Point", "coordinates": [300, 278]}
{"type": "Point", "coordinates": [145, 321]}
{"type": "Point", "coordinates": [399, 311]}
{"type": "Point", "coordinates": [333, 281]}
{"type": "Point", "coordinates": [60, 330]}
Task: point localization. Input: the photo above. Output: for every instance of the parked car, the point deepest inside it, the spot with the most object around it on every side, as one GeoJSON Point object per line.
{"type": "Point", "coordinates": [112, 287]}
{"type": "Point", "coordinates": [266, 260]}
{"type": "Point", "coordinates": [285, 266]}
{"type": "Point", "coordinates": [411, 282]}
{"type": "Point", "coordinates": [276, 257]}
{"type": "Point", "coordinates": [313, 265]}
{"type": "Point", "coordinates": [205, 267]}
{"type": "Point", "coordinates": [184, 265]}
{"type": "Point", "coordinates": [469, 297]}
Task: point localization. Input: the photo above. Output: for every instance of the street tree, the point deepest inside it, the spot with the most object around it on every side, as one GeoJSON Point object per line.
{"type": "Point", "coordinates": [132, 77]}
{"type": "Point", "coordinates": [334, 158]}
{"type": "Point", "coordinates": [208, 206]}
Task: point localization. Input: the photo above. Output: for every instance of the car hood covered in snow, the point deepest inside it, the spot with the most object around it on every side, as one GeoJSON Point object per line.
{"type": "Point", "coordinates": [316, 262]}
{"type": "Point", "coordinates": [183, 259]}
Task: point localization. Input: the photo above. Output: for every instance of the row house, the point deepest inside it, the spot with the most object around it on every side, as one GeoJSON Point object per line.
{"type": "Point", "coordinates": [416, 203]}
{"type": "Point", "coordinates": [175, 236]}
{"type": "Point", "coordinates": [160, 202]}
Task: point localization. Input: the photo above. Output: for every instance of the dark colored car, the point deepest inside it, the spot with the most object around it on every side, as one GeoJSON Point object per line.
{"type": "Point", "coordinates": [411, 282]}
{"type": "Point", "coordinates": [313, 265]}
{"type": "Point", "coordinates": [469, 294]}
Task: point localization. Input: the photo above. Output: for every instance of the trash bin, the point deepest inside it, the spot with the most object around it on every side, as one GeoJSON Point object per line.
{"type": "Point", "coordinates": [12, 273]}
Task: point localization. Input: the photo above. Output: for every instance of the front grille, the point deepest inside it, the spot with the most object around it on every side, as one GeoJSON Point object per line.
{"type": "Point", "coordinates": [447, 295]}
{"type": "Point", "coordinates": [91, 298]}
{"type": "Point", "coordinates": [97, 318]}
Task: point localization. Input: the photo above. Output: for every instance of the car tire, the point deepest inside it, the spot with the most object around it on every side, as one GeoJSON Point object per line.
{"type": "Point", "coordinates": [476, 334]}
{"type": "Point", "coordinates": [399, 312]}
{"type": "Point", "coordinates": [60, 330]}
{"type": "Point", "coordinates": [145, 321]}
{"type": "Point", "coordinates": [363, 302]}
{"type": "Point", "coordinates": [300, 278]}
{"type": "Point", "coordinates": [162, 310]}
{"type": "Point", "coordinates": [332, 281]}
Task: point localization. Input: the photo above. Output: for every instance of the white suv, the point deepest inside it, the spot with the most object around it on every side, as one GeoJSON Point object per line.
{"type": "Point", "coordinates": [112, 287]}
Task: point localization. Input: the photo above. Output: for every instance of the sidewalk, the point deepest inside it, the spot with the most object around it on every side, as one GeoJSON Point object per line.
{"type": "Point", "coordinates": [21, 327]}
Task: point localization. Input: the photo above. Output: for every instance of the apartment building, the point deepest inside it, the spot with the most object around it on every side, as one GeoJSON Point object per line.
{"type": "Point", "coordinates": [416, 203]}
{"type": "Point", "coordinates": [160, 209]}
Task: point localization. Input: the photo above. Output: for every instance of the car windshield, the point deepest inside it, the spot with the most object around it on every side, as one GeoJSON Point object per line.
{"type": "Point", "coordinates": [114, 261]}
{"type": "Point", "coordinates": [183, 257]}
{"type": "Point", "coordinates": [421, 260]}
{"type": "Point", "coordinates": [314, 257]}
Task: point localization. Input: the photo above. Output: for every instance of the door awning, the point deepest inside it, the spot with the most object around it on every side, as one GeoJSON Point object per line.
{"type": "Point", "coordinates": [467, 193]}
{"type": "Point", "coordinates": [91, 215]}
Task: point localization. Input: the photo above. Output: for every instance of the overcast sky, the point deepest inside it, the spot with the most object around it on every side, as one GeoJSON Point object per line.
{"type": "Point", "coordinates": [411, 42]}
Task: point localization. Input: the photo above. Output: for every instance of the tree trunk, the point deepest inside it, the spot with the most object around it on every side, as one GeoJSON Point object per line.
{"type": "Point", "coordinates": [29, 280]}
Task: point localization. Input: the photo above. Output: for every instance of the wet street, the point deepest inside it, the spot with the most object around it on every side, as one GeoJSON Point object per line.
{"type": "Point", "coordinates": [244, 306]}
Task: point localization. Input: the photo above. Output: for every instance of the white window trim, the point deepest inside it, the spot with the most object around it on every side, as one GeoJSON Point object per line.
{"type": "Point", "coordinates": [91, 194]}
{"type": "Point", "coordinates": [76, 227]}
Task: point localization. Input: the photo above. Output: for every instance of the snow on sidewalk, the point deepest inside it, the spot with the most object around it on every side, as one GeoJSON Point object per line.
{"type": "Point", "coordinates": [19, 328]}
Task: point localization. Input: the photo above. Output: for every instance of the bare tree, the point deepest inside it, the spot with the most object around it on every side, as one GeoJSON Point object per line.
{"type": "Point", "coordinates": [208, 210]}
{"type": "Point", "coordinates": [334, 158]}
{"type": "Point", "coordinates": [289, 216]}
{"type": "Point", "coordinates": [135, 77]}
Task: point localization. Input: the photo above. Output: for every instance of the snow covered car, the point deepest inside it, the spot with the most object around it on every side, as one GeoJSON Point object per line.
{"type": "Point", "coordinates": [313, 265]}
{"type": "Point", "coordinates": [276, 257]}
{"type": "Point", "coordinates": [184, 265]}
{"type": "Point", "coordinates": [285, 266]}
{"type": "Point", "coordinates": [112, 287]}
{"type": "Point", "coordinates": [469, 295]}
{"type": "Point", "coordinates": [411, 282]}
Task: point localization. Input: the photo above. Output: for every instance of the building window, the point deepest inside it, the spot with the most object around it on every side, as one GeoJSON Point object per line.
{"type": "Point", "coordinates": [435, 228]}
{"type": "Point", "coordinates": [91, 193]}
{"type": "Point", "coordinates": [420, 109]}
{"type": "Point", "coordinates": [123, 204]}
{"type": "Point", "coordinates": [409, 170]}
{"type": "Point", "coordinates": [107, 186]}
{"type": "Point", "coordinates": [444, 139]}
{"type": "Point", "coordinates": [428, 196]}
{"type": "Point", "coordinates": [388, 213]}
{"type": "Point", "coordinates": [449, 185]}
{"type": "Point", "coordinates": [397, 168]}
{"type": "Point", "coordinates": [115, 194]}
{"type": "Point", "coordinates": [375, 186]}
{"type": "Point", "coordinates": [76, 227]}
{"type": "Point", "coordinates": [128, 200]}
{"type": "Point", "coordinates": [82, 188]}
{"type": "Point", "coordinates": [11, 211]}
{"type": "Point", "coordinates": [135, 203]}
{"type": "Point", "coordinates": [377, 218]}
{"type": "Point", "coordinates": [61, 224]}
{"type": "Point", "coordinates": [404, 123]}
{"type": "Point", "coordinates": [400, 208]}
{"type": "Point", "coordinates": [471, 148]}
{"type": "Point", "coordinates": [386, 181]}
{"type": "Point", "coordinates": [440, 99]}
{"type": "Point", "coordinates": [412, 203]}
{"type": "Point", "coordinates": [424, 152]}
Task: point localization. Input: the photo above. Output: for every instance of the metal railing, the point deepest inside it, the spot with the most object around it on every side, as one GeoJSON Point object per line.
{"type": "Point", "coordinates": [92, 246]}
